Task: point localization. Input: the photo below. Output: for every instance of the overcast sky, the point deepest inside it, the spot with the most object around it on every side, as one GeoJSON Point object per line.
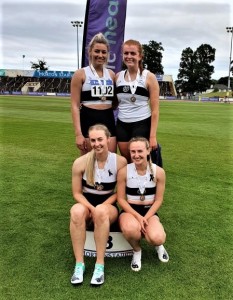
{"type": "Point", "coordinates": [42, 30]}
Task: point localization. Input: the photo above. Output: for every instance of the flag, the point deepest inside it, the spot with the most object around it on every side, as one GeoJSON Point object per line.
{"type": "Point", "coordinates": [108, 17]}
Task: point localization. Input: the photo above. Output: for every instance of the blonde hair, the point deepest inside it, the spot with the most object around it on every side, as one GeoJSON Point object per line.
{"type": "Point", "coordinates": [140, 50]}
{"type": "Point", "coordinates": [99, 38]}
{"type": "Point", "coordinates": [146, 142]}
{"type": "Point", "coordinates": [90, 165]}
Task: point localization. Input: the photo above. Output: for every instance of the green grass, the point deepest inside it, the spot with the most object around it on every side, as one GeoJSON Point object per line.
{"type": "Point", "coordinates": [216, 94]}
{"type": "Point", "coordinates": [36, 259]}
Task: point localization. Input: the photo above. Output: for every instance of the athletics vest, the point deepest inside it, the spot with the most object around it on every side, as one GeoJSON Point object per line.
{"type": "Point", "coordinates": [133, 182]}
{"type": "Point", "coordinates": [132, 111]}
{"type": "Point", "coordinates": [91, 80]}
{"type": "Point", "coordinates": [108, 177]}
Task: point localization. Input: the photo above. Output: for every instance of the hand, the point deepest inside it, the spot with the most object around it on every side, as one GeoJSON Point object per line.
{"type": "Point", "coordinates": [153, 143]}
{"type": "Point", "coordinates": [81, 142]}
{"type": "Point", "coordinates": [143, 222]}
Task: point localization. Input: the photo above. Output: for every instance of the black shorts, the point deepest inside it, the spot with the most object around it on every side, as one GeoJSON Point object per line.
{"type": "Point", "coordinates": [90, 117]}
{"type": "Point", "coordinates": [141, 209]}
{"type": "Point", "coordinates": [126, 131]}
{"type": "Point", "coordinates": [95, 199]}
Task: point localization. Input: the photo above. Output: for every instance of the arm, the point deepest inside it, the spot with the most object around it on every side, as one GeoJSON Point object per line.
{"type": "Point", "coordinates": [114, 100]}
{"type": "Point", "coordinates": [153, 88]}
{"type": "Point", "coordinates": [160, 189]}
{"type": "Point", "coordinates": [76, 88]}
{"type": "Point", "coordinates": [77, 174]}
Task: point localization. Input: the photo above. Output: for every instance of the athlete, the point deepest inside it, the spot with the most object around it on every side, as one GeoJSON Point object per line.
{"type": "Point", "coordinates": [93, 183]}
{"type": "Point", "coordinates": [140, 191]}
{"type": "Point", "coordinates": [137, 91]}
{"type": "Point", "coordinates": [92, 95]}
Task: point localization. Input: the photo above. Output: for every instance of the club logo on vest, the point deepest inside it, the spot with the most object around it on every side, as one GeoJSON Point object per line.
{"type": "Point", "coordinates": [125, 88]}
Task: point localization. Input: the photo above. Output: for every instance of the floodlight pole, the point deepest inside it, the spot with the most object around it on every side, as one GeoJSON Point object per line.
{"type": "Point", "coordinates": [229, 30]}
{"type": "Point", "coordinates": [77, 24]}
{"type": "Point", "coordinates": [23, 56]}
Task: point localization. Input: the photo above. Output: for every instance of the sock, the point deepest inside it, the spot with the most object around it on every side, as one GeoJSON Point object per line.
{"type": "Point", "coordinates": [137, 255]}
{"type": "Point", "coordinates": [80, 264]}
{"type": "Point", "coordinates": [99, 266]}
{"type": "Point", "coordinates": [162, 253]}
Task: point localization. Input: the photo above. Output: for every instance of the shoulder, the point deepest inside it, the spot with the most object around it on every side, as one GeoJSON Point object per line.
{"type": "Point", "coordinates": [111, 73]}
{"type": "Point", "coordinates": [121, 161]}
{"type": "Point", "coordinates": [79, 74]}
{"type": "Point", "coordinates": [151, 75]}
{"type": "Point", "coordinates": [145, 72]}
{"type": "Point", "coordinates": [160, 173]}
{"type": "Point", "coordinates": [122, 172]}
{"type": "Point", "coordinates": [120, 74]}
{"type": "Point", "coordinates": [80, 163]}
{"type": "Point", "coordinates": [151, 80]}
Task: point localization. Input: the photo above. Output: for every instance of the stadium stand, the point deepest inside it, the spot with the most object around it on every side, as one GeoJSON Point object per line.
{"type": "Point", "coordinates": [58, 83]}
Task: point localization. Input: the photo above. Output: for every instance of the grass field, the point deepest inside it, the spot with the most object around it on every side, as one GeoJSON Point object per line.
{"type": "Point", "coordinates": [36, 259]}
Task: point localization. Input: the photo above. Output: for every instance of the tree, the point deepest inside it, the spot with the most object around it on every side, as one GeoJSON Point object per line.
{"type": "Point", "coordinates": [41, 65]}
{"type": "Point", "coordinates": [195, 69]}
{"type": "Point", "coordinates": [153, 57]}
{"type": "Point", "coordinates": [223, 80]}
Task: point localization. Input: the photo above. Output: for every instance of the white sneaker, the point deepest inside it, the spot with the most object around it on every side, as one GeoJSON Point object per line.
{"type": "Point", "coordinates": [78, 273]}
{"type": "Point", "coordinates": [136, 261]}
{"type": "Point", "coordinates": [162, 253]}
{"type": "Point", "coordinates": [98, 275]}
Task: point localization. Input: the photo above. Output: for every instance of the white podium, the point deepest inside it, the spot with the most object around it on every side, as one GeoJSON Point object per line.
{"type": "Point", "coordinates": [117, 245]}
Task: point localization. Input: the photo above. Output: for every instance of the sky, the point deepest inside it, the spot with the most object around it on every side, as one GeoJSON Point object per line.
{"type": "Point", "coordinates": [32, 30]}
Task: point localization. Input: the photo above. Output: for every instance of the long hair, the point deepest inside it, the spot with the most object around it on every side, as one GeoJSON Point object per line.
{"type": "Point", "coordinates": [146, 142]}
{"type": "Point", "coordinates": [90, 166]}
{"type": "Point", "coordinates": [140, 50]}
{"type": "Point", "coordinates": [99, 38]}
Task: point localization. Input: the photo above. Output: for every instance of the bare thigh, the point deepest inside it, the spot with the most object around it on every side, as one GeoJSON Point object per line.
{"type": "Point", "coordinates": [155, 233]}
{"type": "Point", "coordinates": [107, 210]}
{"type": "Point", "coordinates": [129, 224]}
{"type": "Point", "coordinates": [124, 150]}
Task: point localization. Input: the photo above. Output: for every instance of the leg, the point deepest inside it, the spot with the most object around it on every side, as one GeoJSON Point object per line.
{"type": "Point", "coordinates": [156, 236]}
{"type": "Point", "coordinates": [104, 215]}
{"type": "Point", "coordinates": [123, 147]}
{"type": "Point", "coordinates": [78, 216]}
{"type": "Point", "coordinates": [113, 144]}
{"type": "Point", "coordinates": [131, 230]}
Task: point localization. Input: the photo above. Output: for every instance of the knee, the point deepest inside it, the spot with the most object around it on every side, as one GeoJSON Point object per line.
{"type": "Point", "coordinates": [77, 213]}
{"type": "Point", "coordinates": [101, 213]}
{"type": "Point", "coordinates": [128, 228]}
{"type": "Point", "coordinates": [128, 231]}
{"type": "Point", "coordinates": [159, 238]}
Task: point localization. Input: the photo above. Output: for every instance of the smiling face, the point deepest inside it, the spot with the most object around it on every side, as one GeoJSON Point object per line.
{"type": "Point", "coordinates": [98, 140]}
{"type": "Point", "coordinates": [98, 54]}
{"type": "Point", "coordinates": [132, 54]}
{"type": "Point", "coordinates": [139, 152]}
